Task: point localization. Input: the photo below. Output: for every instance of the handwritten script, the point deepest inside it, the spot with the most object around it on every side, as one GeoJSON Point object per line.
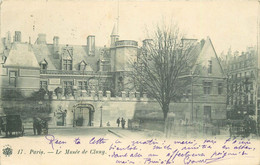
{"type": "Point", "coordinates": [154, 151]}
{"type": "Point", "coordinates": [186, 152]}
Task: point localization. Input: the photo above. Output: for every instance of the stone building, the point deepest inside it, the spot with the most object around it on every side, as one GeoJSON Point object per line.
{"type": "Point", "coordinates": [204, 99]}
{"type": "Point", "coordinates": [241, 70]}
{"type": "Point", "coordinates": [63, 72]}
{"type": "Point", "coordinates": [85, 85]}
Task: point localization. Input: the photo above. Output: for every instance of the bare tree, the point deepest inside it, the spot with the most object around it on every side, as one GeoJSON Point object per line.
{"type": "Point", "coordinates": [162, 67]}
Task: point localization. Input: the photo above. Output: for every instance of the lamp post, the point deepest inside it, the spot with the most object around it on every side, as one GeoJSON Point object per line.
{"type": "Point", "coordinates": [40, 104]}
{"type": "Point", "coordinates": [74, 120]}
{"type": "Point", "coordinates": [101, 115]}
{"type": "Point", "coordinates": [257, 71]}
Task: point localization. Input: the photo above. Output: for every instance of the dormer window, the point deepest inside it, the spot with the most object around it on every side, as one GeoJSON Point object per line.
{"type": "Point", "coordinates": [67, 64]}
{"type": "Point", "coordinates": [43, 64]}
{"type": "Point", "coordinates": [82, 65]}
{"type": "Point", "coordinates": [67, 55]}
{"type": "Point", "coordinates": [210, 67]}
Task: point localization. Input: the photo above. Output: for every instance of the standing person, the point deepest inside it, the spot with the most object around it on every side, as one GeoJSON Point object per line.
{"type": "Point", "coordinates": [123, 123]}
{"type": "Point", "coordinates": [118, 122]}
{"type": "Point", "coordinates": [35, 125]}
{"type": "Point", "coordinates": [1, 125]}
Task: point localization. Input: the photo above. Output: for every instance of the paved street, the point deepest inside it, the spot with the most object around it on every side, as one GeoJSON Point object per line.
{"type": "Point", "coordinates": [96, 131]}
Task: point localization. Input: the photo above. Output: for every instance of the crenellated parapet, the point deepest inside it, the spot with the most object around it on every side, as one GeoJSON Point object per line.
{"type": "Point", "coordinates": [101, 96]}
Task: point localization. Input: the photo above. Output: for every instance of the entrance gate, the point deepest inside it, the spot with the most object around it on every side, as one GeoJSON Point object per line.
{"type": "Point", "coordinates": [83, 114]}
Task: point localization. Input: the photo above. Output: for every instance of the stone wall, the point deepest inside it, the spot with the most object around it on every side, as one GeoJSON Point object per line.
{"type": "Point", "coordinates": [62, 112]}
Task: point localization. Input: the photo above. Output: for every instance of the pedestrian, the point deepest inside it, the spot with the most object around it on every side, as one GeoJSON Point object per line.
{"type": "Point", "coordinates": [123, 123]}
{"type": "Point", "coordinates": [118, 122]}
{"type": "Point", "coordinates": [44, 127]}
{"type": "Point", "coordinates": [1, 125]}
{"type": "Point", "coordinates": [35, 125]}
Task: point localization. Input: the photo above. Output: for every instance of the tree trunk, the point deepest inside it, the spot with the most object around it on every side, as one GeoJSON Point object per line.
{"type": "Point", "coordinates": [165, 109]}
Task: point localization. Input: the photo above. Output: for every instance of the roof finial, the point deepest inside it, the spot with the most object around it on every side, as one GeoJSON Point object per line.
{"type": "Point", "coordinates": [117, 17]}
{"type": "Point", "coordinates": [114, 31]}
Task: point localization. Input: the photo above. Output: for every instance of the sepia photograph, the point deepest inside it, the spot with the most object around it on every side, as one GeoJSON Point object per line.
{"type": "Point", "coordinates": [143, 82]}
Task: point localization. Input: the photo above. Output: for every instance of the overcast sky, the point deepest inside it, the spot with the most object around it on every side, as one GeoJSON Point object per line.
{"type": "Point", "coordinates": [227, 23]}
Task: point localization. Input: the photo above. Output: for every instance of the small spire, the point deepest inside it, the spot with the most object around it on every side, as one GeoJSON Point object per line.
{"type": "Point", "coordinates": [114, 31]}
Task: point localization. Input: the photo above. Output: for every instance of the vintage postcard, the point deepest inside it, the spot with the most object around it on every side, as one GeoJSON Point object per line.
{"type": "Point", "coordinates": [141, 82]}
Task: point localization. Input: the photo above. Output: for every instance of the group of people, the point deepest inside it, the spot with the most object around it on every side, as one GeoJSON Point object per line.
{"type": "Point", "coordinates": [122, 121]}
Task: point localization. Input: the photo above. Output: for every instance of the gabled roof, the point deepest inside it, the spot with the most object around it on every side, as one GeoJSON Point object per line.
{"type": "Point", "coordinates": [21, 55]}
{"type": "Point", "coordinates": [202, 56]}
{"type": "Point", "coordinates": [83, 62]}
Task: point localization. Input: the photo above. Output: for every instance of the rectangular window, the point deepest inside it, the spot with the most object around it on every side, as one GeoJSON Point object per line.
{"type": "Point", "coordinates": [251, 86]}
{"type": "Point", "coordinates": [12, 78]}
{"type": "Point", "coordinates": [82, 67]}
{"type": "Point", "coordinates": [67, 85]}
{"type": "Point", "coordinates": [210, 67]}
{"type": "Point", "coordinates": [43, 66]}
{"type": "Point", "coordinates": [44, 85]}
{"type": "Point", "coordinates": [220, 88]}
{"type": "Point", "coordinates": [82, 85]}
{"type": "Point", "coordinates": [207, 87]}
{"type": "Point", "coordinates": [67, 64]}
{"type": "Point", "coordinates": [252, 74]}
{"type": "Point", "coordinates": [207, 113]}
{"type": "Point", "coordinates": [251, 99]}
{"type": "Point", "coordinates": [246, 99]}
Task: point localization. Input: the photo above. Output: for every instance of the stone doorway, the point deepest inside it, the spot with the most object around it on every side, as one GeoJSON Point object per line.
{"type": "Point", "coordinates": [83, 115]}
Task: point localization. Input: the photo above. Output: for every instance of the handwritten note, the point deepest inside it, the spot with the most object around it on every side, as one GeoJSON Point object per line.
{"type": "Point", "coordinates": [204, 151]}
{"type": "Point", "coordinates": [143, 151]}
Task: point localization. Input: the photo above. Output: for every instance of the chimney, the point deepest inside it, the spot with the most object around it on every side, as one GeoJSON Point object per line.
{"type": "Point", "coordinates": [17, 36]}
{"type": "Point", "coordinates": [41, 38]}
{"type": "Point", "coordinates": [56, 47]}
{"type": "Point", "coordinates": [91, 45]}
{"type": "Point", "coordinates": [56, 40]}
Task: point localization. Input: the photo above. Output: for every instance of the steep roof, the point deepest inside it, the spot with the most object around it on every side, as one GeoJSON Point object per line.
{"type": "Point", "coordinates": [46, 51]}
{"type": "Point", "coordinates": [21, 55]}
{"type": "Point", "coordinates": [42, 53]}
{"type": "Point", "coordinates": [205, 51]}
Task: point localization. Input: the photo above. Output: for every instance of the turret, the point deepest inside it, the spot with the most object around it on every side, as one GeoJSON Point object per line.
{"type": "Point", "coordinates": [114, 36]}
